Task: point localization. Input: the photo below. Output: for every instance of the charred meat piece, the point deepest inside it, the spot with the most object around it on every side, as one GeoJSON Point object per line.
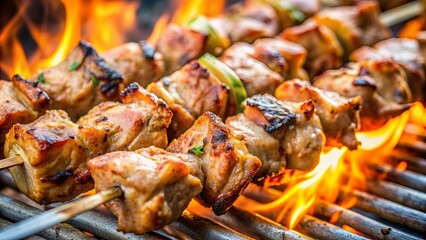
{"type": "Point", "coordinates": [267, 112]}
{"type": "Point", "coordinates": [405, 52]}
{"type": "Point", "coordinates": [384, 94]}
{"type": "Point", "coordinates": [80, 81]}
{"type": "Point", "coordinates": [250, 20]}
{"type": "Point", "coordinates": [190, 92]}
{"type": "Point", "coordinates": [54, 158]}
{"type": "Point", "coordinates": [295, 126]}
{"type": "Point", "coordinates": [157, 186]}
{"type": "Point", "coordinates": [140, 121]}
{"type": "Point", "coordinates": [323, 48]}
{"type": "Point", "coordinates": [259, 143]}
{"type": "Point", "coordinates": [271, 50]}
{"type": "Point", "coordinates": [226, 163]}
{"type": "Point", "coordinates": [305, 140]}
{"type": "Point", "coordinates": [179, 45]}
{"type": "Point", "coordinates": [339, 115]}
{"type": "Point", "coordinates": [255, 75]}
{"type": "Point", "coordinates": [20, 102]}
{"type": "Point", "coordinates": [354, 26]}
{"type": "Point", "coordinates": [136, 62]}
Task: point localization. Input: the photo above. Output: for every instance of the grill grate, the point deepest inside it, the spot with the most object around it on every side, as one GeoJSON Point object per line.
{"type": "Point", "coordinates": [390, 208]}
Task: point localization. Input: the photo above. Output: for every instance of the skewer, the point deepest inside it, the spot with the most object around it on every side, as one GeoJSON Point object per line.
{"type": "Point", "coordinates": [402, 13]}
{"type": "Point", "coordinates": [57, 215]}
{"type": "Point", "coordinates": [11, 162]}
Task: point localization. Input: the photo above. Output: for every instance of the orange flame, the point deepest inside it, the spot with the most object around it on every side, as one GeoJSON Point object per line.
{"type": "Point", "coordinates": [158, 29]}
{"type": "Point", "coordinates": [103, 23]}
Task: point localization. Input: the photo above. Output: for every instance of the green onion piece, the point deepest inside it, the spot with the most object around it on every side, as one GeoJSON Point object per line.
{"type": "Point", "coordinates": [197, 150]}
{"type": "Point", "coordinates": [41, 78]}
{"type": "Point", "coordinates": [227, 76]}
{"type": "Point", "coordinates": [215, 43]}
{"type": "Point", "coordinates": [74, 65]}
{"type": "Point", "coordinates": [94, 80]}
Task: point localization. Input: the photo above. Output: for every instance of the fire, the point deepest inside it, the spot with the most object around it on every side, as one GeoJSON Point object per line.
{"type": "Point", "coordinates": [338, 169]}
{"type": "Point", "coordinates": [54, 41]}
{"type": "Point", "coordinates": [188, 9]}
{"type": "Point", "coordinates": [158, 29]}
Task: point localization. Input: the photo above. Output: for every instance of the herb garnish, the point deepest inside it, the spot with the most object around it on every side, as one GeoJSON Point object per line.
{"type": "Point", "coordinates": [41, 78]}
{"type": "Point", "coordinates": [94, 80]}
{"type": "Point", "coordinates": [197, 150]}
{"type": "Point", "coordinates": [74, 65]}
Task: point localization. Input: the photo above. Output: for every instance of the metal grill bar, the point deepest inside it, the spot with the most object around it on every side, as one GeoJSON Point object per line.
{"type": "Point", "coordinates": [389, 210]}
{"type": "Point", "coordinates": [407, 178]}
{"type": "Point", "coordinates": [361, 223]}
{"type": "Point", "coordinates": [415, 164]}
{"type": "Point", "coordinates": [251, 224]}
{"type": "Point", "coordinates": [17, 211]}
{"type": "Point", "coordinates": [398, 194]}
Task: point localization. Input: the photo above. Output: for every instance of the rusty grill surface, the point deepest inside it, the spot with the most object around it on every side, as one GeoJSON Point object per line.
{"type": "Point", "coordinates": [390, 208]}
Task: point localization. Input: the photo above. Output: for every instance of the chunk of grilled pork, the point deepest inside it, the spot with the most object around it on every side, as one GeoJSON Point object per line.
{"type": "Point", "coordinates": [190, 92]}
{"type": "Point", "coordinates": [226, 163]}
{"type": "Point", "coordinates": [385, 93]}
{"type": "Point", "coordinates": [20, 102]}
{"type": "Point", "coordinates": [339, 115]}
{"type": "Point", "coordinates": [136, 62]}
{"type": "Point", "coordinates": [157, 186]}
{"type": "Point", "coordinates": [82, 80]}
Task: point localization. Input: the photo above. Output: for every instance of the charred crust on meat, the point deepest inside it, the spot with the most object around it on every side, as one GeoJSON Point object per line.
{"type": "Point", "coordinates": [308, 108]}
{"type": "Point", "coordinates": [83, 177]}
{"type": "Point", "coordinates": [18, 78]}
{"type": "Point", "coordinates": [364, 82]}
{"type": "Point", "coordinates": [224, 201]}
{"type": "Point", "coordinates": [132, 88]}
{"type": "Point", "coordinates": [276, 114]}
{"type": "Point", "coordinates": [219, 136]}
{"type": "Point", "coordinates": [109, 75]}
{"type": "Point", "coordinates": [35, 95]}
{"type": "Point", "coordinates": [147, 50]}
{"type": "Point", "coordinates": [101, 119]}
{"type": "Point", "coordinates": [58, 178]}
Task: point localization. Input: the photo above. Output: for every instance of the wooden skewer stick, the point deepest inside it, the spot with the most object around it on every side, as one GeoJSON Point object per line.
{"type": "Point", "coordinates": [57, 215]}
{"type": "Point", "coordinates": [402, 13]}
{"type": "Point", "coordinates": [11, 162]}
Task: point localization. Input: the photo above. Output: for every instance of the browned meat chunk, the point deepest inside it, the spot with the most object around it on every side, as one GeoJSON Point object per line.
{"type": "Point", "coordinates": [384, 94]}
{"type": "Point", "coordinates": [303, 142]}
{"type": "Point", "coordinates": [407, 53]}
{"type": "Point", "coordinates": [136, 62]}
{"type": "Point", "coordinates": [80, 81]}
{"type": "Point", "coordinates": [20, 102]}
{"type": "Point", "coordinates": [226, 163]}
{"type": "Point", "coordinates": [259, 143]}
{"type": "Point", "coordinates": [54, 158]}
{"type": "Point", "coordinates": [267, 112]}
{"type": "Point", "coordinates": [271, 50]}
{"type": "Point", "coordinates": [296, 126]}
{"type": "Point", "coordinates": [247, 21]}
{"type": "Point", "coordinates": [323, 48]}
{"type": "Point", "coordinates": [179, 45]}
{"type": "Point", "coordinates": [190, 92]}
{"type": "Point", "coordinates": [339, 115]}
{"type": "Point", "coordinates": [157, 186]}
{"type": "Point", "coordinates": [256, 76]}
{"type": "Point", "coordinates": [140, 121]}
{"type": "Point", "coordinates": [355, 26]}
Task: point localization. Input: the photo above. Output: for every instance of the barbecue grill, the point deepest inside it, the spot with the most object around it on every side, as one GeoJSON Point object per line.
{"type": "Point", "coordinates": [392, 206]}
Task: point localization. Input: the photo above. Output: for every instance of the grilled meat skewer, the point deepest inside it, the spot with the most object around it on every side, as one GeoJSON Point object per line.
{"type": "Point", "coordinates": [55, 150]}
